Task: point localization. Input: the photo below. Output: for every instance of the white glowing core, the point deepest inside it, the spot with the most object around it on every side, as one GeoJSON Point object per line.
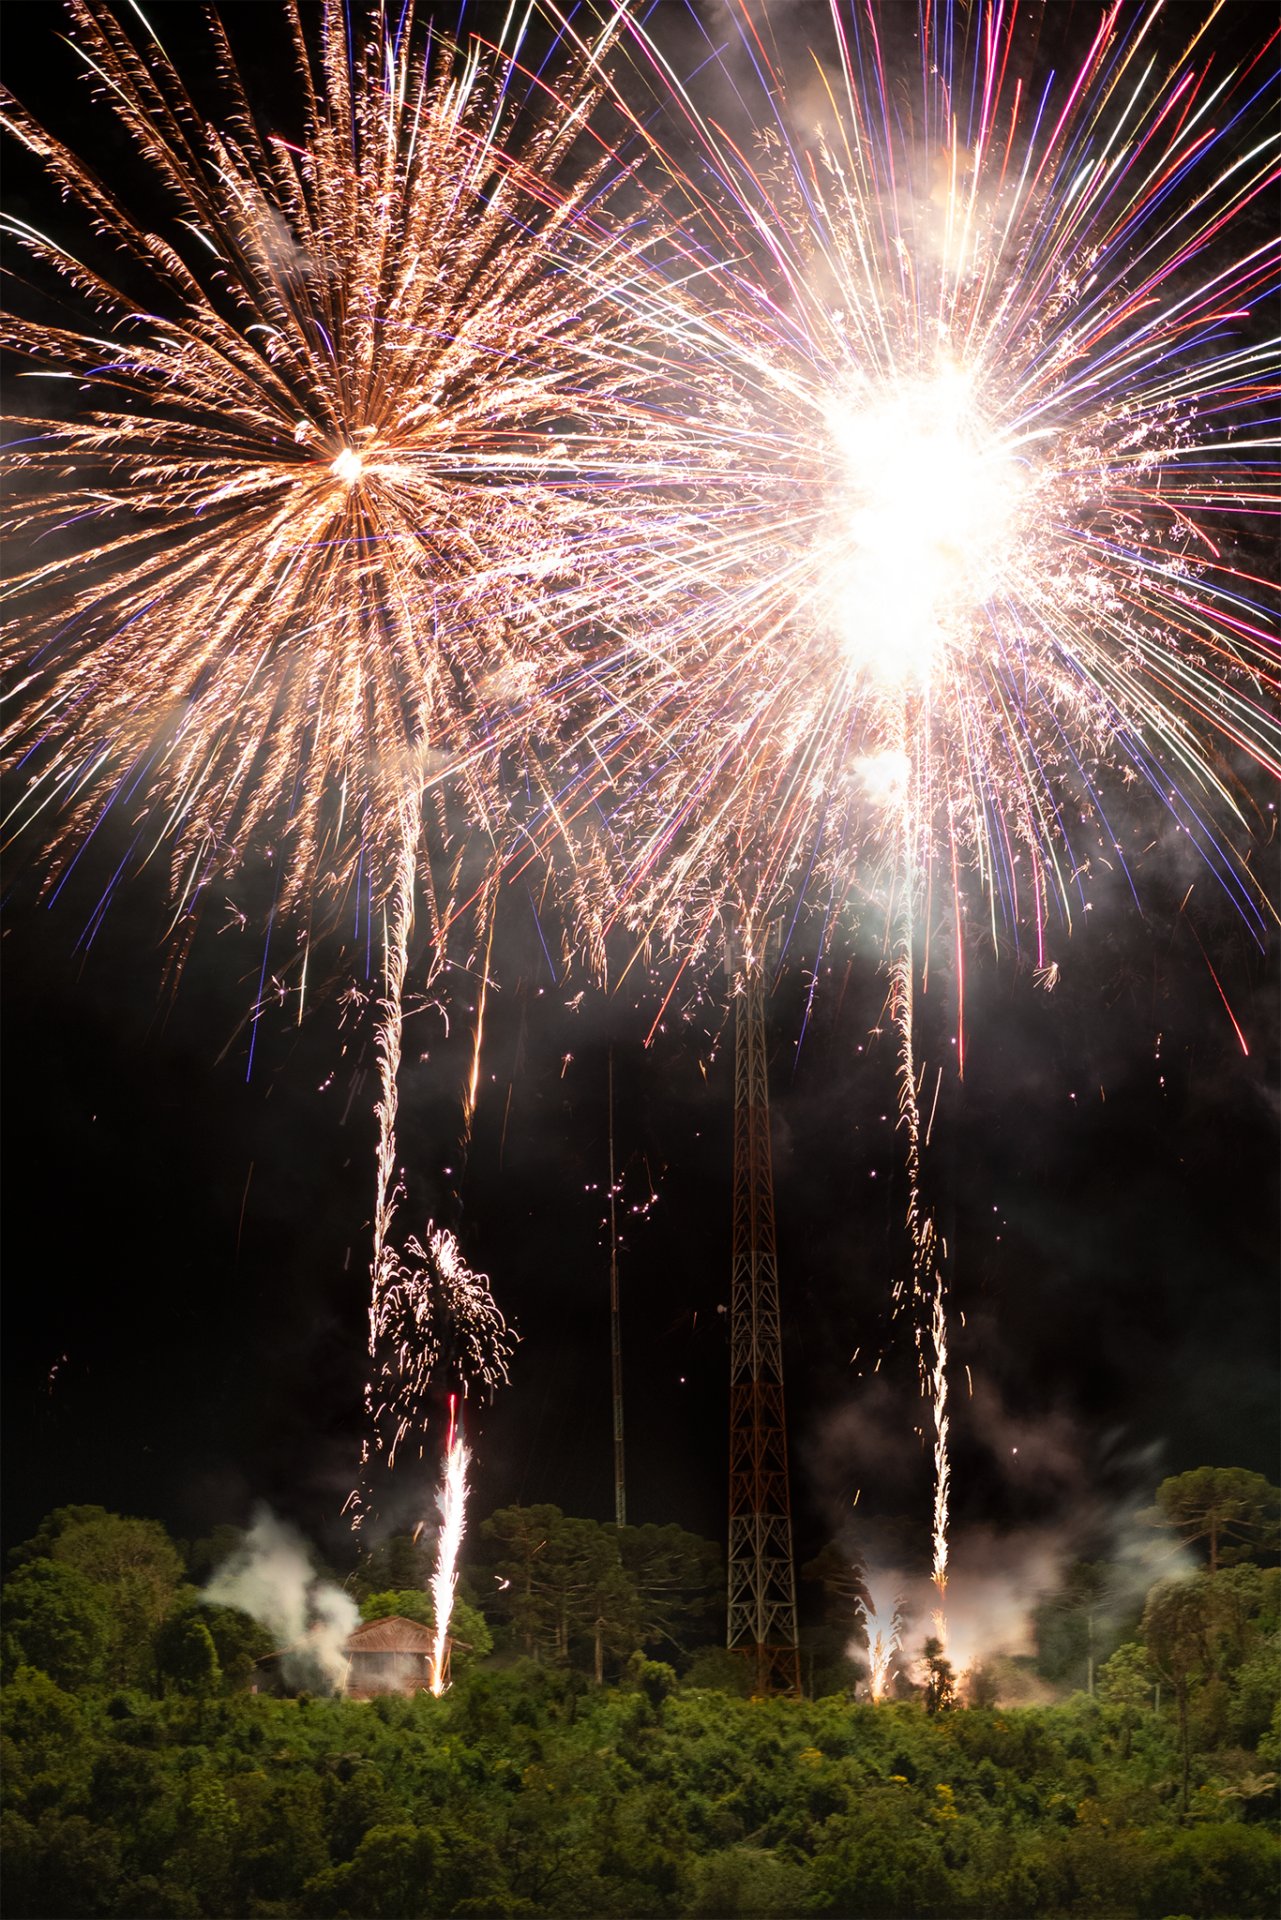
{"type": "Point", "coordinates": [925, 513]}
{"type": "Point", "coordinates": [348, 467]}
{"type": "Point", "coordinates": [884, 776]}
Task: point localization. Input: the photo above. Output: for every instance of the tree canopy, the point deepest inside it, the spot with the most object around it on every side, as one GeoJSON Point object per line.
{"type": "Point", "coordinates": [528, 1788]}
{"type": "Point", "coordinates": [1234, 1514]}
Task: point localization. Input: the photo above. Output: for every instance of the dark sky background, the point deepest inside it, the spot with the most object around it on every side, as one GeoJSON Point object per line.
{"type": "Point", "coordinates": [186, 1247]}
{"type": "Point", "coordinates": [195, 1244]}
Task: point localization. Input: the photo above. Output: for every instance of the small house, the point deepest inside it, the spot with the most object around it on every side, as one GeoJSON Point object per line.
{"type": "Point", "coordinates": [382, 1656]}
{"type": "Point", "coordinates": [389, 1656]}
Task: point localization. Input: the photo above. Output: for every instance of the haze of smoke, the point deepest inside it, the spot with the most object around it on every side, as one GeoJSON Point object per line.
{"type": "Point", "coordinates": [271, 1577]}
{"type": "Point", "coordinates": [1044, 1451]}
{"type": "Point", "coordinates": [997, 1578]}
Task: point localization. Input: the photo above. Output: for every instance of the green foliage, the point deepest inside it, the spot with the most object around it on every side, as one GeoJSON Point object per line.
{"type": "Point", "coordinates": [58, 1620]}
{"type": "Point", "coordinates": [1216, 1871]}
{"type": "Point", "coordinates": [401, 1562]}
{"type": "Point", "coordinates": [1125, 1680]}
{"type": "Point", "coordinates": [134, 1559]}
{"type": "Point", "coordinates": [654, 1678]}
{"type": "Point", "coordinates": [186, 1656]}
{"type": "Point", "coordinates": [1212, 1640]}
{"type": "Point", "coordinates": [51, 1529]}
{"type": "Point", "coordinates": [527, 1789]}
{"type": "Point", "coordinates": [133, 1566]}
{"type": "Point", "coordinates": [1066, 1625]}
{"type": "Point", "coordinates": [239, 1641]}
{"type": "Point", "coordinates": [1126, 1687]}
{"type": "Point", "coordinates": [940, 1686]}
{"type": "Point", "coordinates": [390, 1875]}
{"type": "Point", "coordinates": [680, 1581]}
{"type": "Point", "coordinates": [749, 1880]}
{"type": "Point", "coordinates": [579, 1593]}
{"type": "Point", "coordinates": [60, 1865]}
{"type": "Point", "coordinates": [205, 1556]}
{"type": "Point", "coordinates": [1234, 1514]}
{"type": "Point", "coordinates": [409, 1603]}
{"type": "Point", "coordinates": [719, 1668]}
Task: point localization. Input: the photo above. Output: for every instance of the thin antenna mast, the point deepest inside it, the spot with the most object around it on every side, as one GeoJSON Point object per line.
{"type": "Point", "coordinates": [615, 1325]}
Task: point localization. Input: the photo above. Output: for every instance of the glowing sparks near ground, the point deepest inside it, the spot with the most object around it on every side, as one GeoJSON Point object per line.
{"type": "Point", "coordinates": [883, 1629]}
{"type": "Point", "coordinates": [451, 1504]}
{"type": "Point", "coordinates": [879, 1656]}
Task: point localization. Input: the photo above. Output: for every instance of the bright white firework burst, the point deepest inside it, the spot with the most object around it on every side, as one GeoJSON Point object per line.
{"type": "Point", "coordinates": [977, 430]}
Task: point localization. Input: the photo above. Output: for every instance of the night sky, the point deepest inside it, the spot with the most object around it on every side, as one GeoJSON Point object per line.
{"type": "Point", "coordinates": [186, 1243]}
{"type": "Point", "coordinates": [195, 1243]}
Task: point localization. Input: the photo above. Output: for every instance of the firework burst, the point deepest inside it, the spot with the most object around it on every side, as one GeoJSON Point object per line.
{"type": "Point", "coordinates": [431, 1321]}
{"type": "Point", "coordinates": [307, 494]}
{"type": "Point", "coordinates": [299, 566]}
{"type": "Point", "coordinates": [976, 481]}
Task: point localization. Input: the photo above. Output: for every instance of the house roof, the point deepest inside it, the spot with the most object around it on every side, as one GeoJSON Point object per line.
{"type": "Point", "coordinates": [393, 1635]}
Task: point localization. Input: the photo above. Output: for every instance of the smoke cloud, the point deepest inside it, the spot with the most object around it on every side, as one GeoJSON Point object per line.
{"type": "Point", "coordinates": [1084, 1496]}
{"type": "Point", "coordinates": [271, 1576]}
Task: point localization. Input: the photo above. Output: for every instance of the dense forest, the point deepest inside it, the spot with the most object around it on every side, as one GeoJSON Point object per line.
{"type": "Point", "coordinates": [595, 1755]}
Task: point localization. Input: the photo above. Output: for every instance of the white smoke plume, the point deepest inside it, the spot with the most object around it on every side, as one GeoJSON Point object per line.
{"type": "Point", "coordinates": [271, 1576]}
{"type": "Point", "coordinates": [1090, 1491]}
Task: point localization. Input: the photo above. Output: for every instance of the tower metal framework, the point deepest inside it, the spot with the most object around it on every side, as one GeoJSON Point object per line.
{"type": "Point", "coordinates": [762, 1580]}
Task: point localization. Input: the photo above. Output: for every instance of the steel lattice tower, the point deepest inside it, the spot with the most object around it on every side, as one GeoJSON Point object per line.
{"type": "Point", "coordinates": [762, 1583]}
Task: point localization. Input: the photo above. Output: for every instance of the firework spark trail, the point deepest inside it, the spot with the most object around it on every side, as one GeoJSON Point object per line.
{"type": "Point", "coordinates": [929, 1289]}
{"type": "Point", "coordinates": [451, 1502]}
{"type": "Point", "coordinates": [487, 914]}
{"type": "Point", "coordinates": [388, 1034]}
{"type": "Point", "coordinates": [942, 1458]}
